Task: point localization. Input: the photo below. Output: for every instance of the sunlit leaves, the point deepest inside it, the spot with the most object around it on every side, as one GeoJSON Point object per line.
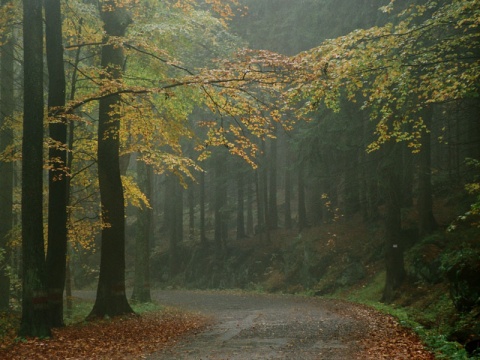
{"type": "Point", "coordinates": [133, 194]}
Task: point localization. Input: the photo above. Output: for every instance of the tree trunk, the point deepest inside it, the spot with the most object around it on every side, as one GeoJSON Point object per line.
{"type": "Point", "coordinates": [179, 190]}
{"type": "Point", "coordinates": [57, 181]}
{"type": "Point", "coordinates": [203, 236]}
{"type": "Point", "coordinates": [191, 212]}
{"type": "Point", "coordinates": [220, 205]}
{"type": "Point", "coordinates": [260, 228]}
{"type": "Point", "coordinates": [288, 198]}
{"type": "Point", "coordinates": [111, 299]}
{"type": "Point", "coordinates": [170, 218]}
{"type": "Point", "coordinates": [240, 208]}
{"type": "Point", "coordinates": [68, 289]}
{"type": "Point", "coordinates": [302, 210]}
{"type": "Point", "coordinates": [35, 321]}
{"type": "Point", "coordinates": [427, 222]}
{"type": "Point", "coordinates": [7, 102]}
{"type": "Point", "coordinates": [272, 201]}
{"type": "Point", "coordinates": [141, 285]}
{"type": "Point", "coordinates": [249, 205]}
{"type": "Point", "coordinates": [394, 262]}
{"type": "Point", "coordinates": [70, 141]}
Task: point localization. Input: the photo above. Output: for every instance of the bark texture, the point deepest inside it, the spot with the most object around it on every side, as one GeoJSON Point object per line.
{"type": "Point", "coordinates": [111, 299]}
{"type": "Point", "coordinates": [35, 321]}
{"type": "Point", "coordinates": [57, 181]}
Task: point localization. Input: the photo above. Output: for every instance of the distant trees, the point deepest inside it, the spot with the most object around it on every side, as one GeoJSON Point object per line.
{"type": "Point", "coordinates": [375, 99]}
{"type": "Point", "coordinates": [425, 59]}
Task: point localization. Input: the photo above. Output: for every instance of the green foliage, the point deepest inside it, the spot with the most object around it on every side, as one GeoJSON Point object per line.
{"type": "Point", "coordinates": [9, 324]}
{"type": "Point", "coordinates": [434, 339]}
{"type": "Point", "coordinates": [143, 308]}
{"type": "Point", "coordinates": [370, 292]}
{"type": "Point", "coordinates": [464, 255]}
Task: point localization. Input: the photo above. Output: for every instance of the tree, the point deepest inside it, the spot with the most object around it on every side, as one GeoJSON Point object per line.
{"type": "Point", "coordinates": [6, 166]}
{"type": "Point", "coordinates": [35, 320]}
{"type": "Point", "coordinates": [203, 237]}
{"type": "Point", "coordinates": [272, 198]}
{"type": "Point", "coordinates": [57, 182]}
{"type": "Point", "coordinates": [427, 223]}
{"type": "Point", "coordinates": [220, 203]}
{"type": "Point", "coordinates": [111, 298]}
{"type": "Point", "coordinates": [240, 207]}
{"type": "Point", "coordinates": [302, 211]}
{"type": "Point", "coordinates": [394, 247]}
{"type": "Point", "coordinates": [428, 55]}
{"type": "Point", "coordinates": [141, 286]}
{"type": "Point", "coordinates": [174, 221]}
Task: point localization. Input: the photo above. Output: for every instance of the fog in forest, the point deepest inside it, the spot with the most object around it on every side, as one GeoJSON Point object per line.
{"type": "Point", "coordinates": [313, 147]}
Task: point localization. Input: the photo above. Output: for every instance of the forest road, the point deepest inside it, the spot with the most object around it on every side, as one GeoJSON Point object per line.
{"type": "Point", "coordinates": [253, 326]}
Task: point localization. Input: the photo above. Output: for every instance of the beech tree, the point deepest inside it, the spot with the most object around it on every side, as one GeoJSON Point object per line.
{"type": "Point", "coordinates": [111, 298]}
{"type": "Point", "coordinates": [427, 57]}
{"type": "Point", "coordinates": [58, 174]}
{"type": "Point", "coordinates": [35, 319]}
{"type": "Point", "coordinates": [6, 140]}
{"type": "Point", "coordinates": [143, 240]}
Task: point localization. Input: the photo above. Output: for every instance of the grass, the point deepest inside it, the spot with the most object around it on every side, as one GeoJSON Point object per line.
{"type": "Point", "coordinates": [435, 311]}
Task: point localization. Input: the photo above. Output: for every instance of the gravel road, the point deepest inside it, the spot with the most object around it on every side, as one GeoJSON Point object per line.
{"type": "Point", "coordinates": [252, 326]}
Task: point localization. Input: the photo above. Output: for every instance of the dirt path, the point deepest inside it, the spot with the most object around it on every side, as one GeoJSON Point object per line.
{"type": "Point", "coordinates": [251, 326]}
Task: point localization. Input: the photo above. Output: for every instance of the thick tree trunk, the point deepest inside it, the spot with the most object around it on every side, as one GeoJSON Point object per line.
{"type": "Point", "coordinates": [57, 181]}
{"type": "Point", "coordinates": [203, 236]}
{"type": "Point", "coordinates": [68, 289]}
{"type": "Point", "coordinates": [35, 321]}
{"type": "Point", "coordinates": [302, 210]}
{"type": "Point", "coordinates": [191, 212]}
{"type": "Point", "coordinates": [141, 285]}
{"type": "Point", "coordinates": [220, 210]}
{"type": "Point", "coordinates": [7, 102]}
{"type": "Point", "coordinates": [394, 261]}
{"type": "Point", "coordinates": [249, 204]}
{"type": "Point", "coordinates": [272, 201]}
{"type": "Point", "coordinates": [288, 199]}
{"type": "Point", "coordinates": [174, 220]}
{"type": "Point", "coordinates": [111, 299]}
{"type": "Point", "coordinates": [260, 228]}
{"type": "Point", "coordinates": [427, 222]}
{"type": "Point", "coordinates": [170, 218]}
{"type": "Point", "coordinates": [70, 141]}
{"type": "Point", "coordinates": [240, 208]}
{"type": "Point", "coordinates": [179, 190]}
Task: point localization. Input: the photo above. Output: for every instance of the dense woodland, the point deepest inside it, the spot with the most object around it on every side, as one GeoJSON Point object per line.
{"type": "Point", "coordinates": [166, 143]}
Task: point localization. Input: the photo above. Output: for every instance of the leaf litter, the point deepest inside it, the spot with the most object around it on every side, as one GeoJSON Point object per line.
{"type": "Point", "coordinates": [128, 337]}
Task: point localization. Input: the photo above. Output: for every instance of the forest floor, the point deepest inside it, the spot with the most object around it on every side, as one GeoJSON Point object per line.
{"type": "Point", "coordinates": [232, 325]}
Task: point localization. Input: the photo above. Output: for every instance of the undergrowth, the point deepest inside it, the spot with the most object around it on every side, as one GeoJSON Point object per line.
{"type": "Point", "coordinates": [413, 318]}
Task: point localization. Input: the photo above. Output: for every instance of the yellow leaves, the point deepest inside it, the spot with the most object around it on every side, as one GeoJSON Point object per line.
{"type": "Point", "coordinates": [223, 8]}
{"type": "Point", "coordinates": [398, 69]}
{"type": "Point", "coordinates": [133, 195]}
{"type": "Point", "coordinates": [473, 188]}
{"type": "Point", "coordinates": [387, 8]}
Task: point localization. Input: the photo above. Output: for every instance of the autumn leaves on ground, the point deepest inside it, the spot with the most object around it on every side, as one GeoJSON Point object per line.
{"type": "Point", "coordinates": [121, 338]}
